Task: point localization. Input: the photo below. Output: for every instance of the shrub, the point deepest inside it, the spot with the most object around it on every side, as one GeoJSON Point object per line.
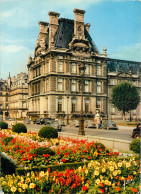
{"type": "Point", "coordinates": [19, 128]}
{"type": "Point", "coordinates": [44, 150]}
{"type": "Point", "coordinates": [48, 132]}
{"type": "Point", "coordinates": [6, 140]}
{"type": "Point", "coordinates": [135, 145]}
{"type": "Point", "coordinates": [3, 125]}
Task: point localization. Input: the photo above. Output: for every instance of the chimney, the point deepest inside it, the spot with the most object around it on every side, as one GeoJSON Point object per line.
{"type": "Point", "coordinates": [87, 26]}
{"type": "Point", "coordinates": [79, 23]}
{"type": "Point", "coordinates": [43, 33]}
{"type": "Point", "coordinates": [53, 27]}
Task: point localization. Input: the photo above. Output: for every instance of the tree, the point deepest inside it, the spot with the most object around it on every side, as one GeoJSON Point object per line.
{"type": "Point", "coordinates": [125, 97]}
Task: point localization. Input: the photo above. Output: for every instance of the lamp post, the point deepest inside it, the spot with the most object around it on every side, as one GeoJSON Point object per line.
{"type": "Point", "coordinates": [81, 119]}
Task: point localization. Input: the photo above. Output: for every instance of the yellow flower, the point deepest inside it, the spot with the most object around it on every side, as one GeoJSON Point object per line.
{"type": "Point", "coordinates": [103, 169]}
{"type": "Point", "coordinates": [101, 177]}
{"type": "Point", "coordinates": [119, 171]}
{"type": "Point", "coordinates": [120, 164]}
{"type": "Point", "coordinates": [86, 172]}
{"type": "Point", "coordinates": [113, 185]}
{"type": "Point", "coordinates": [24, 186]}
{"type": "Point", "coordinates": [95, 153]}
{"type": "Point", "coordinates": [106, 182]}
{"type": "Point", "coordinates": [128, 165]}
{"type": "Point", "coordinates": [115, 173]}
{"type": "Point", "coordinates": [28, 174]}
{"type": "Point", "coordinates": [32, 185]}
{"type": "Point", "coordinates": [122, 178]}
{"type": "Point", "coordinates": [109, 183]}
{"type": "Point", "coordinates": [96, 173]}
{"type": "Point", "coordinates": [111, 168]}
{"type": "Point", "coordinates": [134, 173]}
{"type": "Point", "coordinates": [13, 189]}
{"type": "Point", "coordinates": [87, 184]}
{"type": "Point", "coordinates": [97, 181]}
{"type": "Point", "coordinates": [42, 173]}
{"type": "Point", "coordinates": [111, 163]}
{"type": "Point", "coordinates": [20, 190]}
{"type": "Point", "coordinates": [3, 183]}
{"type": "Point", "coordinates": [28, 180]}
{"type": "Point", "coordinates": [19, 184]}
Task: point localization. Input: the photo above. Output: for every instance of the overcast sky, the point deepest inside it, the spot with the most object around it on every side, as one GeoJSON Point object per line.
{"type": "Point", "coordinates": [115, 24]}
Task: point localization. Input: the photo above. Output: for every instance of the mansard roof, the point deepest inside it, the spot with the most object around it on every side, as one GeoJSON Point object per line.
{"type": "Point", "coordinates": [117, 65]}
{"type": "Point", "coordinates": [65, 34]}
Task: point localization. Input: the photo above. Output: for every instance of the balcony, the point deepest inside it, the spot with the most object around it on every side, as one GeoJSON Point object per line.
{"type": "Point", "coordinates": [62, 113]}
{"type": "Point", "coordinates": [33, 113]}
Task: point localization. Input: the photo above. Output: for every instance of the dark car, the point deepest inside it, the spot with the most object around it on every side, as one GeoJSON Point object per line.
{"type": "Point", "coordinates": [108, 124]}
{"type": "Point", "coordinates": [43, 121]}
{"type": "Point", "coordinates": [54, 124]}
{"type": "Point", "coordinates": [36, 121]}
{"type": "Point", "coordinates": [137, 131]}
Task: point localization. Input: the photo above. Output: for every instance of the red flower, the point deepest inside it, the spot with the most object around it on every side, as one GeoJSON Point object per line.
{"type": "Point", "coordinates": [84, 151]}
{"type": "Point", "coordinates": [89, 157]}
{"type": "Point", "coordinates": [101, 190]}
{"type": "Point", "coordinates": [73, 186]}
{"type": "Point", "coordinates": [118, 188]}
{"type": "Point", "coordinates": [46, 155]}
{"type": "Point", "coordinates": [101, 184]}
{"type": "Point", "coordinates": [134, 190]}
{"type": "Point", "coordinates": [63, 160]}
{"type": "Point", "coordinates": [100, 149]}
{"type": "Point", "coordinates": [25, 159]}
{"type": "Point", "coordinates": [84, 188]}
{"type": "Point", "coordinates": [58, 153]}
{"type": "Point", "coordinates": [74, 151]}
{"type": "Point", "coordinates": [66, 154]}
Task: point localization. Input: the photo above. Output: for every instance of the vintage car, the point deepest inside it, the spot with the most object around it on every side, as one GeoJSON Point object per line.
{"type": "Point", "coordinates": [137, 131]}
{"type": "Point", "coordinates": [74, 123]}
{"type": "Point", "coordinates": [54, 124]}
{"type": "Point", "coordinates": [108, 124]}
{"type": "Point", "coordinates": [89, 124]}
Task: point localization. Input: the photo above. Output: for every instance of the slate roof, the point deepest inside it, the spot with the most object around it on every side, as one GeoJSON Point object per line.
{"type": "Point", "coordinates": [114, 65]}
{"type": "Point", "coordinates": [65, 34]}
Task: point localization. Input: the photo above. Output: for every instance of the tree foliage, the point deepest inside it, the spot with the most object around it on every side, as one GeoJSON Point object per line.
{"type": "Point", "coordinates": [125, 97]}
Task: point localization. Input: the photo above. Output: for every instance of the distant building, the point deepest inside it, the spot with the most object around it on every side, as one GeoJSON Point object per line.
{"type": "Point", "coordinates": [13, 96]}
{"type": "Point", "coordinates": [53, 73]}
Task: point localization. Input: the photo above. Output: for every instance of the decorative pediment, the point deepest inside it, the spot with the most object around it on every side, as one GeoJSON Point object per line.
{"type": "Point", "coordinates": [124, 74]}
{"type": "Point", "coordinates": [80, 45]}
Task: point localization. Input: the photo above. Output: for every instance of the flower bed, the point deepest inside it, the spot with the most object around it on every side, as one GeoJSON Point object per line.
{"type": "Point", "coordinates": [22, 148]}
{"type": "Point", "coordinates": [112, 176]}
{"type": "Point", "coordinates": [100, 170]}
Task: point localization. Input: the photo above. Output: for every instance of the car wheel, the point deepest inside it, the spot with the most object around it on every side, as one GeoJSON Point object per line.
{"type": "Point", "coordinates": [136, 136]}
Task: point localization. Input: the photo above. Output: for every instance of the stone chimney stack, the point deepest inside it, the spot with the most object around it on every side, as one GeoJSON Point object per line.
{"type": "Point", "coordinates": [79, 23]}
{"type": "Point", "coordinates": [53, 26]}
{"type": "Point", "coordinates": [43, 33]}
{"type": "Point", "coordinates": [87, 26]}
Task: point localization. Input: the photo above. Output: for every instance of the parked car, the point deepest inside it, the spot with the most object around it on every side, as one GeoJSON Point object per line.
{"type": "Point", "coordinates": [27, 121]}
{"type": "Point", "coordinates": [89, 124]}
{"type": "Point", "coordinates": [44, 120]}
{"type": "Point", "coordinates": [108, 124]}
{"type": "Point", "coordinates": [55, 124]}
{"type": "Point", "coordinates": [137, 131]}
{"type": "Point", "coordinates": [74, 123]}
{"type": "Point", "coordinates": [61, 122]}
{"type": "Point", "coordinates": [36, 121]}
{"type": "Point", "coordinates": [12, 122]}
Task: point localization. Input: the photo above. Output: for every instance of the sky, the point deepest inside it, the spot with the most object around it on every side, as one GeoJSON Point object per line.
{"type": "Point", "coordinates": [115, 24]}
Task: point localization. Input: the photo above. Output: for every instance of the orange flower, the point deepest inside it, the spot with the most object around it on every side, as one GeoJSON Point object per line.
{"type": "Point", "coordinates": [118, 188]}
{"type": "Point", "coordinates": [134, 190]}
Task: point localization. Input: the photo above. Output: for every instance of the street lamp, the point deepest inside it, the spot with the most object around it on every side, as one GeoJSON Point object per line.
{"type": "Point", "coordinates": [81, 119]}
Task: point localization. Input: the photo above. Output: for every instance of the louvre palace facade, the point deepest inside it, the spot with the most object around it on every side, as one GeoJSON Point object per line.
{"type": "Point", "coordinates": [62, 47]}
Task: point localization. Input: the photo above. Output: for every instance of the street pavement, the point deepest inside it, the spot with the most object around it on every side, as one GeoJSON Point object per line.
{"type": "Point", "coordinates": [123, 133]}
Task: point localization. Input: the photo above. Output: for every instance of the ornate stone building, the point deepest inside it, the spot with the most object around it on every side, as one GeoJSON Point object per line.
{"type": "Point", "coordinates": [64, 45]}
{"type": "Point", "coordinates": [18, 96]}
{"type": "Point", "coordinates": [121, 71]}
{"type": "Point", "coordinates": [13, 96]}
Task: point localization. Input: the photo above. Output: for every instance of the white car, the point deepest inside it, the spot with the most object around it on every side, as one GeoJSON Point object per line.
{"type": "Point", "coordinates": [89, 124]}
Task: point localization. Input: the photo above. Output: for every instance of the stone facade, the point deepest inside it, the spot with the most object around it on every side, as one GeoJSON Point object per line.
{"type": "Point", "coordinates": [64, 45]}
{"type": "Point", "coordinates": [13, 98]}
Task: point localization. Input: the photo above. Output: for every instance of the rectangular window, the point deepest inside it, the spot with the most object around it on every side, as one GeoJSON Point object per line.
{"type": "Point", "coordinates": [86, 106]}
{"type": "Point", "coordinates": [98, 104]}
{"type": "Point", "coordinates": [73, 68]}
{"type": "Point", "coordinates": [112, 108]}
{"type": "Point", "coordinates": [59, 66]}
{"type": "Point", "coordinates": [98, 70]}
{"type": "Point", "coordinates": [59, 105]}
{"type": "Point", "coordinates": [60, 57]}
{"type": "Point", "coordinates": [73, 85]}
{"type": "Point", "coordinates": [98, 87]}
{"type": "Point", "coordinates": [60, 83]}
{"type": "Point", "coordinates": [86, 87]}
{"type": "Point", "coordinates": [87, 69]}
{"type": "Point", "coordinates": [112, 81]}
{"type": "Point", "coordinates": [73, 105]}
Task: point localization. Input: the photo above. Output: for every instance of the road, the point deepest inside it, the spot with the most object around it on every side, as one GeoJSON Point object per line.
{"type": "Point", "coordinates": [123, 133]}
